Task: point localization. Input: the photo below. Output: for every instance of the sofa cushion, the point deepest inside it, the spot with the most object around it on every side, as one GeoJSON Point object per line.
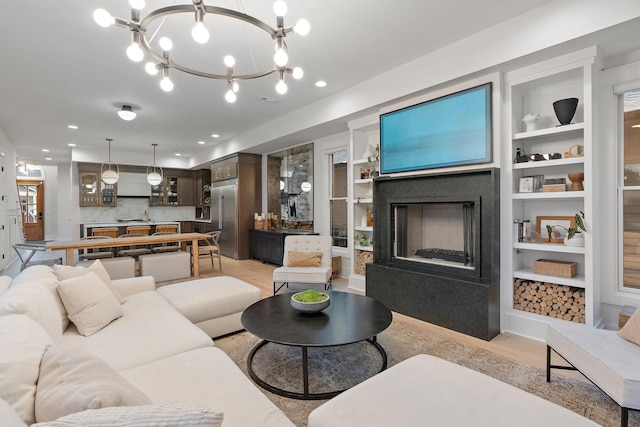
{"type": "Point", "coordinates": [631, 330]}
{"type": "Point", "coordinates": [23, 344]}
{"type": "Point", "coordinates": [90, 304]}
{"type": "Point", "coordinates": [140, 335]}
{"type": "Point", "coordinates": [209, 377]}
{"type": "Point", "coordinates": [9, 416]}
{"type": "Point", "coordinates": [164, 414]}
{"type": "Point", "coordinates": [64, 272]}
{"type": "Point", "coordinates": [36, 301]}
{"type": "Point", "coordinates": [35, 272]}
{"type": "Point", "coordinates": [304, 259]}
{"type": "Point", "coordinates": [72, 381]}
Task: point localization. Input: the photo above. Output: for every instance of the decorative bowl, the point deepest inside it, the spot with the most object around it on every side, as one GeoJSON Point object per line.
{"type": "Point", "coordinates": [310, 306]}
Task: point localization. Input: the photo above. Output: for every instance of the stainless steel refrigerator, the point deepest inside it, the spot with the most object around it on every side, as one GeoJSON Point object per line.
{"type": "Point", "coordinates": [224, 215]}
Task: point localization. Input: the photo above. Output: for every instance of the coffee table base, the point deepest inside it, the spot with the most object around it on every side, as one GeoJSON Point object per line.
{"type": "Point", "coordinates": [305, 395]}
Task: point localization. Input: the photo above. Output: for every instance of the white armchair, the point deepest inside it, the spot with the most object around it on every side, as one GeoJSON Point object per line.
{"type": "Point", "coordinates": [306, 251]}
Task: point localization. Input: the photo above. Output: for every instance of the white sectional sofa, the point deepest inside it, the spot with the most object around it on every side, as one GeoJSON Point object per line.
{"type": "Point", "coordinates": [152, 351]}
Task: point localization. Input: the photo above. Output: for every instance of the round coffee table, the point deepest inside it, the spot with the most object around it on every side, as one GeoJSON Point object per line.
{"type": "Point", "coordinates": [350, 318]}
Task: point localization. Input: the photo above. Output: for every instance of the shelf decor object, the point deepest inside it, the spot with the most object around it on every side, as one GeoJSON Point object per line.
{"type": "Point", "coordinates": [576, 179]}
{"type": "Point", "coordinates": [565, 110]}
{"type": "Point", "coordinates": [161, 61]}
{"type": "Point", "coordinates": [109, 176]}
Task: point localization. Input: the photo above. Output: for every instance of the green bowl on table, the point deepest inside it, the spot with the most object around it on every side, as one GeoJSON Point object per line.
{"type": "Point", "coordinates": [310, 301]}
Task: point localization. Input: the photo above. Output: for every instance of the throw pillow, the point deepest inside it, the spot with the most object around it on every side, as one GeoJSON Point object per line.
{"type": "Point", "coordinates": [5, 283]}
{"type": "Point", "coordinates": [631, 330]}
{"type": "Point", "coordinates": [72, 381]}
{"type": "Point", "coordinates": [36, 301]}
{"type": "Point", "coordinates": [23, 342]}
{"type": "Point", "coordinates": [89, 303]}
{"type": "Point", "coordinates": [64, 272]}
{"type": "Point", "coordinates": [304, 259]}
{"type": "Point", "coordinates": [165, 414]}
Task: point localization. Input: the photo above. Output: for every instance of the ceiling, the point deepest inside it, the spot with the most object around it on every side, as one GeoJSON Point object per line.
{"type": "Point", "coordinates": [60, 68]}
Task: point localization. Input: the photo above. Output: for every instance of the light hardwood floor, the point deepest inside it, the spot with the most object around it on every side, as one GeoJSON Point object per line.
{"type": "Point", "coordinates": [510, 345]}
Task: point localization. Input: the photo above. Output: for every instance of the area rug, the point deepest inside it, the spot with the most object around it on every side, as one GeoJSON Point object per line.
{"type": "Point", "coordinates": [341, 367]}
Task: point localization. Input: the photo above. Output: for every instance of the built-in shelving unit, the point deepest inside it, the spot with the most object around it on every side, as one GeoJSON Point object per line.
{"type": "Point", "coordinates": [533, 89]}
{"type": "Point", "coordinates": [365, 136]}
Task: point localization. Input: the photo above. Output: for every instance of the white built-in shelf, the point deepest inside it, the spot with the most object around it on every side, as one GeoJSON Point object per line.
{"type": "Point", "coordinates": [528, 274]}
{"type": "Point", "coordinates": [364, 248]}
{"type": "Point", "coordinates": [362, 201]}
{"type": "Point", "coordinates": [550, 247]}
{"type": "Point", "coordinates": [549, 163]}
{"type": "Point", "coordinates": [362, 162]}
{"type": "Point", "coordinates": [541, 133]}
{"type": "Point", "coordinates": [552, 195]}
{"type": "Point", "coordinates": [363, 181]}
{"type": "Point", "coordinates": [363, 228]}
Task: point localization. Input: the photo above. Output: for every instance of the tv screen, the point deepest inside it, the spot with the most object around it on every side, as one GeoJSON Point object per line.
{"type": "Point", "coordinates": [448, 131]}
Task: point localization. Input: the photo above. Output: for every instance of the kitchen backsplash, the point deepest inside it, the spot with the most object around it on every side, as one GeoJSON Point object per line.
{"type": "Point", "coordinates": [133, 208]}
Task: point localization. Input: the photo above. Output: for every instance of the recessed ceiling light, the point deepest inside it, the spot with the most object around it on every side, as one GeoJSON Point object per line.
{"type": "Point", "coordinates": [72, 127]}
{"type": "Point", "coordinates": [48, 158]}
{"type": "Point", "coordinates": [71, 144]}
{"type": "Point", "coordinates": [321, 83]}
{"type": "Point", "coordinates": [178, 154]}
{"type": "Point", "coordinates": [201, 142]}
{"type": "Point", "coordinates": [215, 135]}
{"type": "Point", "coordinates": [45, 150]}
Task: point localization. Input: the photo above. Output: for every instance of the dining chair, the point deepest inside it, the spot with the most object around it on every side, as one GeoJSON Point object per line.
{"type": "Point", "coordinates": [133, 250]}
{"type": "Point", "coordinates": [95, 253]}
{"type": "Point", "coordinates": [306, 259]}
{"type": "Point", "coordinates": [210, 247]}
{"type": "Point", "coordinates": [165, 247]}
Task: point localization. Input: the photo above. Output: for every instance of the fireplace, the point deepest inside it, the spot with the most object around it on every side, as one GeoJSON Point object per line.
{"type": "Point", "coordinates": [437, 249]}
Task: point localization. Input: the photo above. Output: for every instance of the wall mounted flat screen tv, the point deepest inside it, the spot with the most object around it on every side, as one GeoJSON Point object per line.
{"type": "Point", "coordinates": [448, 131]}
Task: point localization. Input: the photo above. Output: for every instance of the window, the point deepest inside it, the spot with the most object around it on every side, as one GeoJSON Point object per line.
{"type": "Point", "coordinates": [630, 190]}
{"type": "Point", "coordinates": [338, 198]}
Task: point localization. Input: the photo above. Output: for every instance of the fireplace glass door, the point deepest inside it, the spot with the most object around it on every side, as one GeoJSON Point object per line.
{"type": "Point", "coordinates": [435, 233]}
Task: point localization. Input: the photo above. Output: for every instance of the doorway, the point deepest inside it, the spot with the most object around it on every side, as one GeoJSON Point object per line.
{"type": "Point", "coordinates": [31, 199]}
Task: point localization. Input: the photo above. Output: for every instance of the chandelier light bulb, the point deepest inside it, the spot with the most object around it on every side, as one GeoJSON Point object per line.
{"type": "Point", "coordinates": [151, 68]}
{"type": "Point", "coordinates": [302, 27]}
{"type": "Point", "coordinates": [280, 8]}
{"type": "Point", "coordinates": [229, 61]}
{"type": "Point", "coordinates": [166, 84]}
{"type": "Point", "coordinates": [281, 87]}
{"type": "Point", "coordinates": [103, 18]}
{"type": "Point", "coordinates": [281, 58]}
{"type": "Point", "coordinates": [235, 87]}
{"type": "Point", "coordinates": [230, 96]}
{"type": "Point", "coordinates": [200, 33]}
{"type": "Point", "coordinates": [165, 44]}
{"type": "Point", "coordinates": [137, 4]}
{"type": "Point", "coordinates": [297, 73]}
{"type": "Point", "coordinates": [135, 53]}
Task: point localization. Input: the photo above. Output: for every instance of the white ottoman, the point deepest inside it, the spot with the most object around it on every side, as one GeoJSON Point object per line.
{"type": "Point", "coordinates": [166, 266]}
{"type": "Point", "coordinates": [118, 268]}
{"type": "Point", "coordinates": [214, 304]}
{"type": "Point", "coordinates": [427, 391]}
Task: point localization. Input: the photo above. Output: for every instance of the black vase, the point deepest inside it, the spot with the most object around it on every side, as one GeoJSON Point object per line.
{"type": "Point", "coordinates": [565, 109]}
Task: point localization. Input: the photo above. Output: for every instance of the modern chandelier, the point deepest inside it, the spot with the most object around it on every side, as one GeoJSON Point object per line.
{"type": "Point", "coordinates": [109, 176]}
{"type": "Point", "coordinates": [153, 176]}
{"type": "Point", "coordinates": [160, 57]}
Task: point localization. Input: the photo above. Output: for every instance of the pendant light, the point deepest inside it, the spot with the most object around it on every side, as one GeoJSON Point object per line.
{"type": "Point", "coordinates": [153, 177]}
{"type": "Point", "coordinates": [109, 176]}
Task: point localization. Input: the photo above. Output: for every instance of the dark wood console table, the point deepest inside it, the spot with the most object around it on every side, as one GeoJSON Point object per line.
{"type": "Point", "coordinates": [268, 245]}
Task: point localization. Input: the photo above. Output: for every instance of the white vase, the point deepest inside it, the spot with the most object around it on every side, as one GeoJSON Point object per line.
{"type": "Point", "coordinates": [577, 240]}
{"type": "Point", "coordinates": [367, 153]}
{"type": "Point", "coordinates": [531, 121]}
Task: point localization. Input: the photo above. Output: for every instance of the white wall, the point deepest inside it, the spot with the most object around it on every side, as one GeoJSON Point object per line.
{"type": "Point", "coordinates": [8, 199]}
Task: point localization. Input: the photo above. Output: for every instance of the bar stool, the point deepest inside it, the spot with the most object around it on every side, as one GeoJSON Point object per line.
{"type": "Point", "coordinates": [166, 228]}
{"type": "Point", "coordinates": [139, 229]}
{"type": "Point", "coordinates": [134, 250]}
{"type": "Point", "coordinates": [165, 247]}
{"type": "Point", "coordinates": [98, 253]}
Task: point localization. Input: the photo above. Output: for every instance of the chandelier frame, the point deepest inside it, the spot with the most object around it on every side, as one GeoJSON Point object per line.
{"type": "Point", "coordinates": [139, 26]}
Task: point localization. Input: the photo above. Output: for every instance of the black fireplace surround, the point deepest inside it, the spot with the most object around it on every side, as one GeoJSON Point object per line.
{"type": "Point", "coordinates": [466, 300]}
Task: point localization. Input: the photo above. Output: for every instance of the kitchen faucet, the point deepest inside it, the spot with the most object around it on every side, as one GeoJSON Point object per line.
{"type": "Point", "coordinates": [146, 215]}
